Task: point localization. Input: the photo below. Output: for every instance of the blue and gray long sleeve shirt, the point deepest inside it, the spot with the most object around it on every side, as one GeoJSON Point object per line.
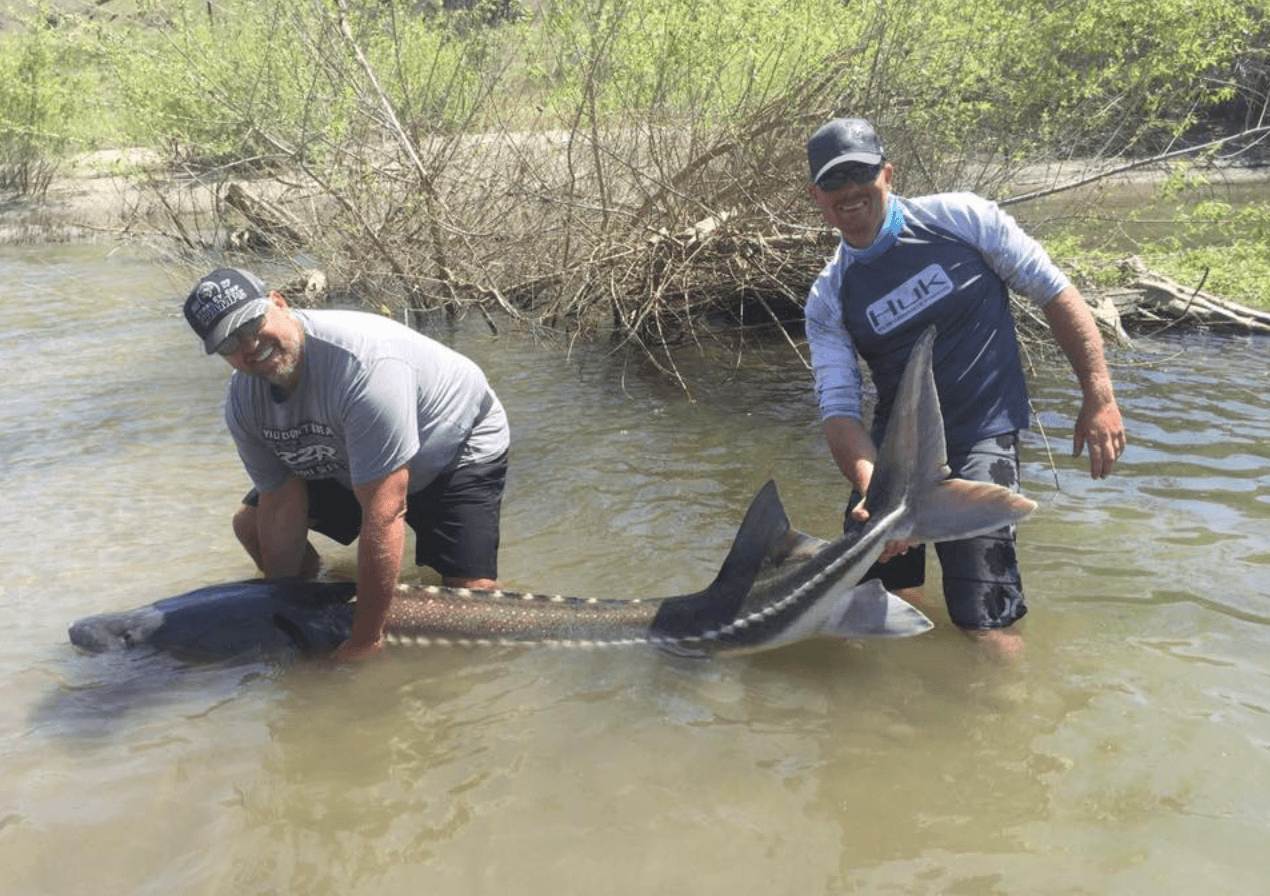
{"type": "Point", "coordinates": [947, 259]}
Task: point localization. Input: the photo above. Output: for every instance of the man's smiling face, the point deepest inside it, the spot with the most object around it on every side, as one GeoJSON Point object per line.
{"type": "Point", "coordinates": [856, 210]}
{"type": "Point", "coordinates": [274, 350]}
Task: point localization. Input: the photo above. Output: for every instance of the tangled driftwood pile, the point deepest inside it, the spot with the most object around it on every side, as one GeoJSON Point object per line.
{"type": "Point", "coordinates": [742, 269]}
{"type": "Point", "coordinates": [718, 268]}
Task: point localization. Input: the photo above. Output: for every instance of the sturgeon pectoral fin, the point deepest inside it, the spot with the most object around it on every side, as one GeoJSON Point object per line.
{"type": "Point", "coordinates": [874, 612]}
{"type": "Point", "coordinates": [866, 610]}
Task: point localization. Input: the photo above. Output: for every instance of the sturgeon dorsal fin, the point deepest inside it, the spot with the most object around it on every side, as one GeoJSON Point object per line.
{"type": "Point", "coordinates": [762, 535]}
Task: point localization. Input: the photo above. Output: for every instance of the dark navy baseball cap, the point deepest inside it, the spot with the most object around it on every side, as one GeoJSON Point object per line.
{"type": "Point", "coordinates": [222, 302]}
{"type": "Point", "coordinates": [843, 140]}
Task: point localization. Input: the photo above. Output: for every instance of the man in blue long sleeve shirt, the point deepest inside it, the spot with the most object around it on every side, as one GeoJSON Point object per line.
{"type": "Point", "coordinates": [947, 259]}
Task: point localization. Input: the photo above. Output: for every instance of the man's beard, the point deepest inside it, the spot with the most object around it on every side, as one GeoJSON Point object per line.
{"type": "Point", "coordinates": [284, 376]}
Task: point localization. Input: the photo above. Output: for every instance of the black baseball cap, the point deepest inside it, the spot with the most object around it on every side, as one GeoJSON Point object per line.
{"type": "Point", "coordinates": [222, 302]}
{"type": "Point", "coordinates": [843, 140]}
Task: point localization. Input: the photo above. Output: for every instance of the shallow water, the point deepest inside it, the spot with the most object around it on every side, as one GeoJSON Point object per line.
{"type": "Point", "coordinates": [1130, 753]}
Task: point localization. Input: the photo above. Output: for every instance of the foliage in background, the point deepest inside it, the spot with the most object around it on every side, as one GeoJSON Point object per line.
{"type": "Point", "coordinates": [213, 85]}
{"type": "Point", "coordinates": [1183, 231]}
{"type": "Point", "coordinates": [1222, 246]}
{"type": "Point", "coordinates": [42, 107]}
{"type": "Point", "coordinates": [628, 162]}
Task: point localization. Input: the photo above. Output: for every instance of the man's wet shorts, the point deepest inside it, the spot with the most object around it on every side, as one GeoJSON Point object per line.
{"type": "Point", "coordinates": [456, 517]}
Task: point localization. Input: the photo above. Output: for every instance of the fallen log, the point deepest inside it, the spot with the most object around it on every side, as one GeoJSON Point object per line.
{"type": "Point", "coordinates": [271, 223]}
{"type": "Point", "coordinates": [1153, 298]}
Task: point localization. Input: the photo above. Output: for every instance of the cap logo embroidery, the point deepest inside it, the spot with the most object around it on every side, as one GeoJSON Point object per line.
{"type": "Point", "coordinates": [215, 298]}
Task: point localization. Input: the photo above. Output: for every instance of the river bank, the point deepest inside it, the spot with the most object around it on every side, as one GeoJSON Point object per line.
{"type": "Point", "coordinates": [131, 193]}
{"type": "Point", "coordinates": [94, 196]}
{"type": "Point", "coordinates": [113, 195]}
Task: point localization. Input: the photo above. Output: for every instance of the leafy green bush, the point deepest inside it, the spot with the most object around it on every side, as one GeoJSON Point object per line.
{"type": "Point", "coordinates": [669, 61]}
{"type": "Point", "coordinates": [1183, 231]}
{"type": "Point", "coordinates": [217, 86]}
{"type": "Point", "coordinates": [1222, 245]}
{"type": "Point", "coordinates": [244, 79]}
{"type": "Point", "coordinates": [37, 103]}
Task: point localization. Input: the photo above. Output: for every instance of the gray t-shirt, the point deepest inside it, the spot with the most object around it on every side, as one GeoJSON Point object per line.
{"type": "Point", "coordinates": [373, 395]}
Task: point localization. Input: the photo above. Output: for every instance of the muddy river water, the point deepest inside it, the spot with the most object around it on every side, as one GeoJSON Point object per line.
{"type": "Point", "coordinates": [1128, 754]}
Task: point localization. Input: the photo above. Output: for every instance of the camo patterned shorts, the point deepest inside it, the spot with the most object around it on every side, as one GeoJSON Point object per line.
{"type": "Point", "coordinates": [982, 586]}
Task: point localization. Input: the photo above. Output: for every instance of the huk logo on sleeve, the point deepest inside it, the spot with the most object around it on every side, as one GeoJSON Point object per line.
{"type": "Point", "coordinates": [909, 299]}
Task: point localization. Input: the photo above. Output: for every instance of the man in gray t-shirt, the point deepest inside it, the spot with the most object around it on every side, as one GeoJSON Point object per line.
{"type": "Point", "coordinates": [352, 425]}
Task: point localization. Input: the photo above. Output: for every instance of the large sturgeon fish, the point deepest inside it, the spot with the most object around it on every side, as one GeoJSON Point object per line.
{"type": "Point", "coordinates": [776, 586]}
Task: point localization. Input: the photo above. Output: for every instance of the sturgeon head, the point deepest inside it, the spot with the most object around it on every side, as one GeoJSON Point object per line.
{"type": "Point", "coordinates": [272, 617]}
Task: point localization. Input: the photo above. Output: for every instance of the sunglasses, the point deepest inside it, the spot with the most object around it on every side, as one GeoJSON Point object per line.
{"type": "Point", "coordinates": [850, 173]}
{"type": "Point", "coordinates": [232, 342]}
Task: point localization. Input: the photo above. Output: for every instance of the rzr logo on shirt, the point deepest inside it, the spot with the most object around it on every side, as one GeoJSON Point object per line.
{"type": "Point", "coordinates": [307, 457]}
{"type": "Point", "coordinates": [909, 299]}
{"type": "Point", "coordinates": [309, 449]}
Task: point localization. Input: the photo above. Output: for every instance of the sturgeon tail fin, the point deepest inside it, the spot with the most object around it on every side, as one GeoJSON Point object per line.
{"type": "Point", "coordinates": [912, 465]}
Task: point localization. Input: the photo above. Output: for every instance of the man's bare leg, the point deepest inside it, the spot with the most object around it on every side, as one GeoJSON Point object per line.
{"type": "Point", "coordinates": [1001, 644]}
{"type": "Point", "coordinates": [471, 584]}
{"type": "Point", "coordinates": [245, 531]}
